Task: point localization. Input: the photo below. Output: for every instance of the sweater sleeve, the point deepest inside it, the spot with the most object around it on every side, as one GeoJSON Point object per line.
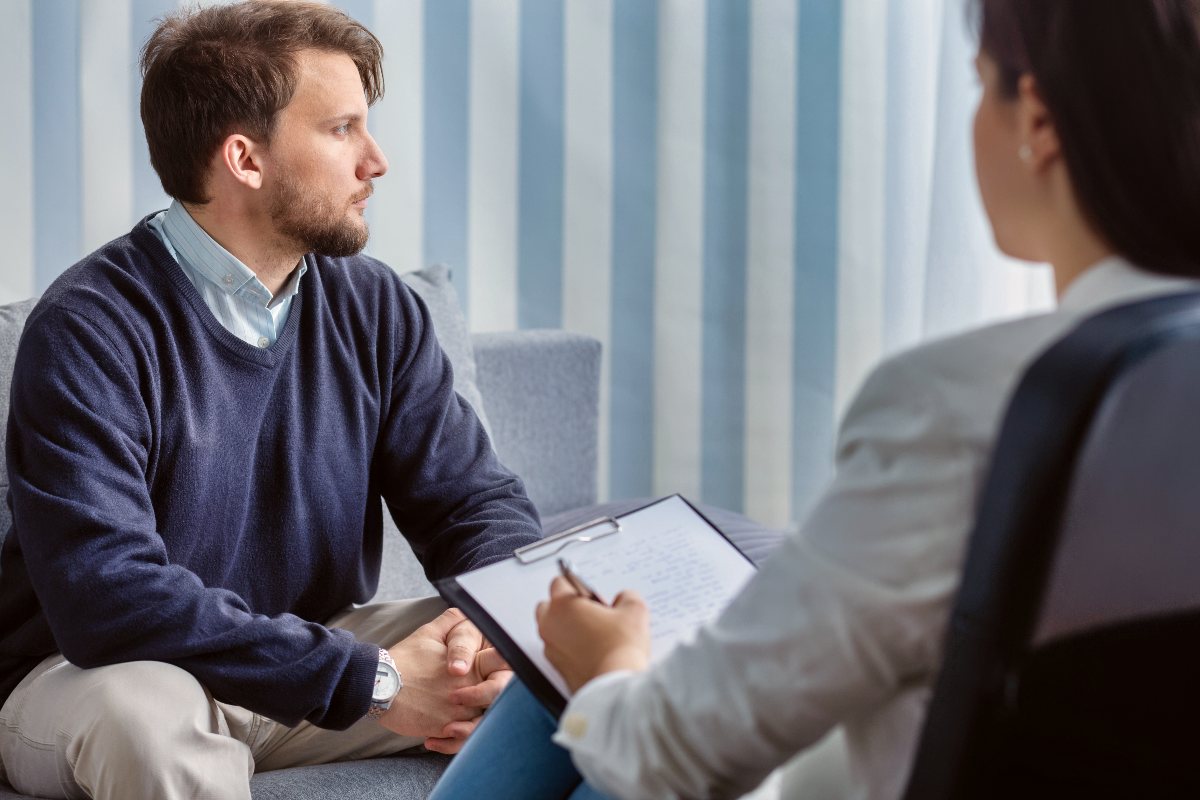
{"type": "Point", "coordinates": [457, 505]}
{"type": "Point", "coordinates": [79, 446]}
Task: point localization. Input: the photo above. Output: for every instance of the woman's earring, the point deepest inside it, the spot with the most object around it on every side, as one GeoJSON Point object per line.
{"type": "Point", "coordinates": [1026, 153]}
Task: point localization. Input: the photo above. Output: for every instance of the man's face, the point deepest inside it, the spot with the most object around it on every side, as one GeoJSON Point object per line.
{"type": "Point", "coordinates": [323, 159]}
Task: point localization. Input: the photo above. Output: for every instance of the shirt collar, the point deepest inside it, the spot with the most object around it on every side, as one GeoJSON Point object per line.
{"type": "Point", "coordinates": [292, 286]}
{"type": "Point", "coordinates": [1113, 281]}
{"type": "Point", "coordinates": [207, 258]}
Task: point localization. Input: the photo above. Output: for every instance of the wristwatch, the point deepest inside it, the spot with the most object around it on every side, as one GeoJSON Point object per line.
{"type": "Point", "coordinates": [387, 685]}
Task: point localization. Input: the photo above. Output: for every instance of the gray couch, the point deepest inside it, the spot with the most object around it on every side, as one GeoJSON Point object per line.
{"type": "Point", "coordinates": [538, 394]}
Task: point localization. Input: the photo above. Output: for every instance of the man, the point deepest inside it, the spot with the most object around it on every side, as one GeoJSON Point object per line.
{"type": "Point", "coordinates": [205, 413]}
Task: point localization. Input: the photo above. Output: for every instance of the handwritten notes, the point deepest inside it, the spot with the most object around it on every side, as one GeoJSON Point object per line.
{"type": "Point", "coordinates": [686, 571]}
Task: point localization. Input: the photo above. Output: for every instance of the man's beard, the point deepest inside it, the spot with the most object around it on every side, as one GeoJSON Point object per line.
{"type": "Point", "coordinates": [314, 222]}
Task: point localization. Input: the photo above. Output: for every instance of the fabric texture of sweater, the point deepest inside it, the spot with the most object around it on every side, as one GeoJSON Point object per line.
{"type": "Point", "coordinates": [179, 495]}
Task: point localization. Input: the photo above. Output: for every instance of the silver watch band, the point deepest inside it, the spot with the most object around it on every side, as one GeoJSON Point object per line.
{"type": "Point", "coordinates": [379, 707]}
{"type": "Point", "coordinates": [386, 658]}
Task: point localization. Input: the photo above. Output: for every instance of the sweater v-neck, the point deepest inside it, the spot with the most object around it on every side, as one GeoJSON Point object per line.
{"type": "Point", "coordinates": [268, 357]}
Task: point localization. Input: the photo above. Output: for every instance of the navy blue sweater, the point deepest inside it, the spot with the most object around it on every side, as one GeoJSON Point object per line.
{"type": "Point", "coordinates": [179, 495]}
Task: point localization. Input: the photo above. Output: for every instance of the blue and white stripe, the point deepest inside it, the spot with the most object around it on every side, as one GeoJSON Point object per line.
{"type": "Point", "coordinates": [718, 190]}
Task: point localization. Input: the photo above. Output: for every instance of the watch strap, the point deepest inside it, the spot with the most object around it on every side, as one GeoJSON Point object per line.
{"type": "Point", "coordinates": [379, 707]}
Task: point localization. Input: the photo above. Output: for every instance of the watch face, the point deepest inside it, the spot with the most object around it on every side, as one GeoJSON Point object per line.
{"type": "Point", "coordinates": [387, 683]}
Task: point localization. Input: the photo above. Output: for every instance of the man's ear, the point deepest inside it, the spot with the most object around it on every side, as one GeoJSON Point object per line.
{"type": "Point", "coordinates": [242, 159]}
{"type": "Point", "coordinates": [1035, 126]}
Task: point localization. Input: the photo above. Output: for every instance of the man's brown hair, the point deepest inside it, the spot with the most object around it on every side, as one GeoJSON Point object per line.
{"type": "Point", "coordinates": [227, 69]}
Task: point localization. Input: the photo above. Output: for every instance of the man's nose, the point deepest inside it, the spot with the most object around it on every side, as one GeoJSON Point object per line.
{"type": "Point", "coordinates": [374, 163]}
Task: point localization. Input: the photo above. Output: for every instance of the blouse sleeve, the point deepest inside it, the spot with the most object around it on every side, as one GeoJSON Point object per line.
{"type": "Point", "coordinates": [848, 612]}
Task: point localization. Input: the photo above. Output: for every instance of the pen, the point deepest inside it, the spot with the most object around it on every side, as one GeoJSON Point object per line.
{"type": "Point", "coordinates": [577, 583]}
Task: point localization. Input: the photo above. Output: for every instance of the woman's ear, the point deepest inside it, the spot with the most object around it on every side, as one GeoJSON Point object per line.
{"type": "Point", "coordinates": [1035, 126]}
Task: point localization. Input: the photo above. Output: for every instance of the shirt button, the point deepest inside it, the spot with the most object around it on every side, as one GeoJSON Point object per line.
{"type": "Point", "coordinates": [227, 280]}
{"type": "Point", "coordinates": [574, 725]}
{"type": "Point", "coordinates": [262, 341]}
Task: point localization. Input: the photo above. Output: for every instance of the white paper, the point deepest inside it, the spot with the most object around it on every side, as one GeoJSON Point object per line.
{"type": "Point", "coordinates": [686, 571]}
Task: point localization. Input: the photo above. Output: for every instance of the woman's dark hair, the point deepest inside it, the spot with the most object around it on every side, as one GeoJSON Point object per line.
{"type": "Point", "coordinates": [230, 68]}
{"type": "Point", "coordinates": [1121, 79]}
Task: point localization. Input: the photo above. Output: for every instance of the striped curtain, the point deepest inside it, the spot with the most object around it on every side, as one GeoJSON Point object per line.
{"type": "Point", "coordinates": [745, 200]}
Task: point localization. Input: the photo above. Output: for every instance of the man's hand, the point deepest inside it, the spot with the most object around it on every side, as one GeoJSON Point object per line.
{"type": "Point", "coordinates": [469, 653]}
{"type": "Point", "coordinates": [450, 677]}
{"type": "Point", "coordinates": [584, 638]}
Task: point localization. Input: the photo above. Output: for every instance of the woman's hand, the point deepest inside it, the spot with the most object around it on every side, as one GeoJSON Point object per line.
{"type": "Point", "coordinates": [584, 638]}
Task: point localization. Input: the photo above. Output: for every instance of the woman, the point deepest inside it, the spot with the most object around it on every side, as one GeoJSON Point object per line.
{"type": "Point", "coordinates": [1087, 152]}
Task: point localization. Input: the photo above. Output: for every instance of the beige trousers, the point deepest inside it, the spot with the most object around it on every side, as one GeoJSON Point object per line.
{"type": "Point", "coordinates": [146, 729]}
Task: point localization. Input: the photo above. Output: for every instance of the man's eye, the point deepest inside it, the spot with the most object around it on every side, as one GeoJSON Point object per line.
{"type": "Point", "coordinates": [342, 130]}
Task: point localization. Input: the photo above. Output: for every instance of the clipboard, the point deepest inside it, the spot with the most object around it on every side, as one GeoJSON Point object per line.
{"type": "Point", "coordinates": [690, 566]}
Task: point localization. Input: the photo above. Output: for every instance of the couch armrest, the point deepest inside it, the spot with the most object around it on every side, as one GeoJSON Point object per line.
{"type": "Point", "coordinates": [541, 390]}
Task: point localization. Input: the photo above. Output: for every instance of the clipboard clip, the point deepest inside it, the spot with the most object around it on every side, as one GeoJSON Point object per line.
{"type": "Point", "coordinates": [580, 534]}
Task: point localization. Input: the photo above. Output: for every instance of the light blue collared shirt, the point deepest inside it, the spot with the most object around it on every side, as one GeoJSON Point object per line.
{"type": "Point", "coordinates": [237, 298]}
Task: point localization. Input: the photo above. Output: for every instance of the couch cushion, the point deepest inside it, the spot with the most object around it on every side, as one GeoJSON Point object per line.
{"type": "Point", "coordinates": [433, 285]}
{"type": "Point", "coordinates": [410, 776]}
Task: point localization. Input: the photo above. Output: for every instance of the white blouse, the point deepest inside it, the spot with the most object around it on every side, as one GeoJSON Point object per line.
{"type": "Point", "coordinates": [844, 624]}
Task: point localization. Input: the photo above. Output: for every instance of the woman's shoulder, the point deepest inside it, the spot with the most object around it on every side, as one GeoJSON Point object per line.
{"type": "Point", "coordinates": [961, 381]}
{"type": "Point", "coordinates": [984, 355]}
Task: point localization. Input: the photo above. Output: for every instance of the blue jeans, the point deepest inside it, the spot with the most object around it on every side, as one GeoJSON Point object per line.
{"type": "Point", "coordinates": [510, 755]}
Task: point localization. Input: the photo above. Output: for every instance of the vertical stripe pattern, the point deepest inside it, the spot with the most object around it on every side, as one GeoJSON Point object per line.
{"type": "Point", "coordinates": [541, 164]}
{"type": "Point", "coordinates": [817, 299]}
{"type": "Point", "coordinates": [57, 141]}
{"type": "Point", "coordinates": [679, 250]}
{"type": "Point", "coordinates": [588, 190]}
{"type": "Point", "coordinates": [494, 131]}
{"type": "Point", "coordinates": [861, 253]}
{"type": "Point", "coordinates": [106, 114]}
{"type": "Point", "coordinates": [726, 115]}
{"type": "Point", "coordinates": [770, 216]}
{"type": "Point", "coordinates": [635, 198]}
{"type": "Point", "coordinates": [908, 170]}
{"type": "Point", "coordinates": [446, 164]}
{"type": "Point", "coordinates": [747, 202]}
{"type": "Point", "coordinates": [398, 124]}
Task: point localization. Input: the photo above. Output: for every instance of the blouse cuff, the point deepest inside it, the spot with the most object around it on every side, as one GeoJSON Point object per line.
{"type": "Point", "coordinates": [586, 715]}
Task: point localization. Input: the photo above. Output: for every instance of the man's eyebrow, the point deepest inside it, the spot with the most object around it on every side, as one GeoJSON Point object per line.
{"type": "Point", "coordinates": [348, 117]}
